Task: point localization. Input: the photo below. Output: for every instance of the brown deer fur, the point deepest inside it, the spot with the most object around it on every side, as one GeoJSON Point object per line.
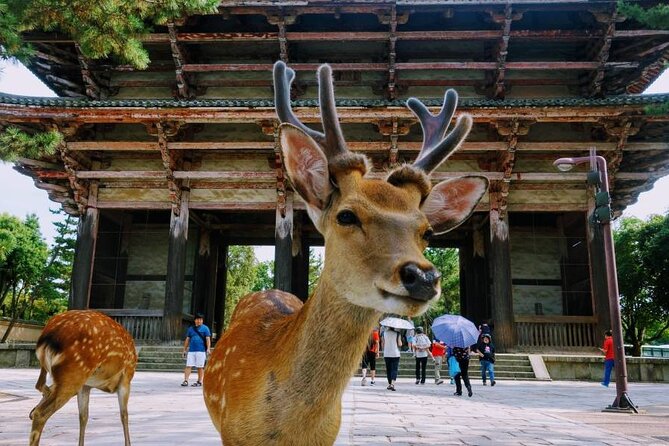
{"type": "Point", "coordinates": [277, 374]}
{"type": "Point", "coordinates": [82, 349]}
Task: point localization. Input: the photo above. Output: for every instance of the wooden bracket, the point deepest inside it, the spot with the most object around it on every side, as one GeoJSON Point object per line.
{"type": "Point", "coordinates": [92, 88]}
{"type": "Point", "coordinates": [179, 56]}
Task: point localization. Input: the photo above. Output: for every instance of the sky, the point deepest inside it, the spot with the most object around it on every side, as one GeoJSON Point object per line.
{"type": "Point", "coordinates": [23, 198]}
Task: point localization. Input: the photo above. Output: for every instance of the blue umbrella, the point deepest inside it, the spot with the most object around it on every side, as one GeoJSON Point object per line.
{"type": "Point", "coordinates": [455, 331]}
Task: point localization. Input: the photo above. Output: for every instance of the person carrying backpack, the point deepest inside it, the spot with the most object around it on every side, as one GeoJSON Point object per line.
{"type": "Point", "coordinates": [369, 358]}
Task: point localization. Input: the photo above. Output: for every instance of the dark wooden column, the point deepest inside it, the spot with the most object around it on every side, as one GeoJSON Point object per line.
{"type": "Point", "coordinates": [500, 271]}
{"type": "Point", "coordinates": [283, 244]}
{"type": "Point", "coordinates": [300, 278]}
{"type": "Point", "coordinates": [122, 262]}
{"type": "Point", "coordinates": [474, 286]}
{"type": "Point", "coordinates": [176, 270]}
{"type": "Point", "coordinates": [598, 282]}
{"type": "Point", "coordinates": [84, 255]}
{"type": "Point", "coordinates": [221, 290]}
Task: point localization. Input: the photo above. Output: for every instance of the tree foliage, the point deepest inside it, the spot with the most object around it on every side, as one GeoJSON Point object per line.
{"type": "Point", "coordinates": [447, 262]}
{"type": "Point", "coordinates": [34, 280]}
{"type": "Point", "coordinates": [264, 276]}
{"type": "Point", "coordinates": [643, 278]}
{"type": "Point", "coordinates": [241, 277]}
{"type": "Point", "coordinates": [656, 17]}
{"type": "Point", "coordinates": [15, 143]}
{"type": "Point", "coordinates": [101, 28]}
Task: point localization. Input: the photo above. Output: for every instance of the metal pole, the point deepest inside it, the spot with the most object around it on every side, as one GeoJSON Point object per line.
{"type": "Point", "coordinates": [622, 401]}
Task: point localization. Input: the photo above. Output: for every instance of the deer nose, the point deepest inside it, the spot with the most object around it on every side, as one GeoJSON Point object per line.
{"type": "Point", "coordinates": [420, 283]}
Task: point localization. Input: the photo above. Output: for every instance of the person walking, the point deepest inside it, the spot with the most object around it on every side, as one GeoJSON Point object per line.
{"type": "Point", "coordinates": [422, 351]}
{"type": "Point", "coordinates": [438, 355]}
{"type": "Point", "coordinates": [197, 346]}
{"type": "Point", "coordinates": [486, 353]}
{"type": "Point", "coordinates": [609, 361]}
{"type": "Point", "coordinates": [392, 341]}
{"type": "Point", "coordinates": [369, 358]}
{"type": "Point", "coordinates": [462, 356]}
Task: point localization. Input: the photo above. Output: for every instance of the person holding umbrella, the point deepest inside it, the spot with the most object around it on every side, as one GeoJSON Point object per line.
{"type": "Point", "coordinates": [460, 333]}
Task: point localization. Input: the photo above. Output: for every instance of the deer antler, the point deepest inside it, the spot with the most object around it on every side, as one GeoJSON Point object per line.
{"type": "Point", "coordinates": [437, 145]}
{"type": "Point", "coordinates": [332, 141]}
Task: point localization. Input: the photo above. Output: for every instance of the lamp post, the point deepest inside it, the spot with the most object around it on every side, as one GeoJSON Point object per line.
{"type": "Point", "coordinates": [598, 176]}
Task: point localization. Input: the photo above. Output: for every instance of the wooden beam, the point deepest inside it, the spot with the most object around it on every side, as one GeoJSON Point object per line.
{"type": "Point", "coordinates": [649, 74]}
{"type": "Point", "coordinates": [367, 66]}
{"type": "Point", "coordinates": [84, 254]}
{"type": "Point", "coordinates": [92, 88]}
{"type": "Point", "coordinates": [595, 87]}
{"type": "Point", "coordinates": [179, 57]}
{"type": "Point", "coordinates": [502, 52]}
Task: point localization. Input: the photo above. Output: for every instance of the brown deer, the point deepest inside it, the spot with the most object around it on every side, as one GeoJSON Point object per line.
{"type": "Point", "coordinates": [278, 373]}
{"type": "Point", "coordinates": [82, 349]}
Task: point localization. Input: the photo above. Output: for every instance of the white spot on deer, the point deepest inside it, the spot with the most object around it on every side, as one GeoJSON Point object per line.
{"type": "Point", "coordinates": [237, 374]}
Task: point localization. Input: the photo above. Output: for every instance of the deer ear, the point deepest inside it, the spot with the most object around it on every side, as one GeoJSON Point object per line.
{"type": "Point", "coordinates": [452, 201]}
{"type": "Point", "coordinates": [307, 167]}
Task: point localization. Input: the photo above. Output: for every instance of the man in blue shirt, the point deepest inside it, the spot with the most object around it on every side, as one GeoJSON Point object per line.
{"type": "Point", "coordinates": [196, 348]}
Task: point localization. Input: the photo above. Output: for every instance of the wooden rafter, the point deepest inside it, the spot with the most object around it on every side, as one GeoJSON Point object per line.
{"type": "Point", "coordinates": [92, 88]}
{"type": "Point", "coordinates": [595, 87]}
{"type": "Point", "coordinates": [649, 74]}
{"type": "Point", "coordinates": [179, 57]}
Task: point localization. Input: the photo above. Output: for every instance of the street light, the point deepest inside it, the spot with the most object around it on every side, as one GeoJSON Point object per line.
{"type": "Point", "coordinates": [598, 177]}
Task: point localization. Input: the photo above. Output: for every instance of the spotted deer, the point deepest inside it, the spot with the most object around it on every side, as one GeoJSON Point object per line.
{"type": "Point", "coordinates": [82, 349]}
{"type": "Point", "coordinates": [278, 373]}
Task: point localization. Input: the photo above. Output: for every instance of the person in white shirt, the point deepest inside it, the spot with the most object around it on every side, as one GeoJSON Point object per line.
{"type": "Point", "coordinates": [421, 348]}
{"type": "Point", "coordinates": [392, 341]}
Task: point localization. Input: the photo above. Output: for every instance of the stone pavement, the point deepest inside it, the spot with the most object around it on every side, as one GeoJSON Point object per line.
{"type": "Point", "coordinates": [511, 413]}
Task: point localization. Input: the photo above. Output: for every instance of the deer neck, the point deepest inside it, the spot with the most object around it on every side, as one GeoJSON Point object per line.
{"type": "Point", "coordinates": [330, 338]}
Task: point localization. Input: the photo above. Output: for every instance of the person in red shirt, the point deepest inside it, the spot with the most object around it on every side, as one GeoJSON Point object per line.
{"type": "Point", "coordinates": [369, 358]}
{"type": "Point", "coordinates": [438, 354]}
{"type": "Point", "coordinates": [607, 349]}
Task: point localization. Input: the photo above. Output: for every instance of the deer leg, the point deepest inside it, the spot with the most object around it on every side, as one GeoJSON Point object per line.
{"type": "Point", "coordinates": [82, 400]}
{"type": "Point", "coordinates": [123, 393]}
{"type": "Point", "coordinates": [50, 403]}
{"type": "Point", "coordinates": [41, 382]}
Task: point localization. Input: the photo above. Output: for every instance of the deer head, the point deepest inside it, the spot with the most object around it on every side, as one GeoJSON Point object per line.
{"type": "Point", "coordinates": [376, 230]}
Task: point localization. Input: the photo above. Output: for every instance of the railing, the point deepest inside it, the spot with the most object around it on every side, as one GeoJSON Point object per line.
{"type": "Point", "coordinates": [556, 331]}
{"type": "Point", "coordinates": [143, 325]}
{"type": "Point", "coordinates": [655, 351]}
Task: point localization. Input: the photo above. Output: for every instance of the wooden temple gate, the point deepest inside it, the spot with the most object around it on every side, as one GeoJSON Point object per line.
{"type": "Point", "coordinates": [169, 166]}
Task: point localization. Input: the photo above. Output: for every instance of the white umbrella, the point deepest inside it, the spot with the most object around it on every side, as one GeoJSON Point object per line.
{"type": "Point", "coordinates": [396, 322]}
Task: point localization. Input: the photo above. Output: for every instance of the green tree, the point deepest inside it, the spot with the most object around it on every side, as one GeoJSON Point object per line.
{"type": "Point", "coordinates": [315, 268]}
{"type": "Point", "coordinates": [656, 17]}
{"type": "Point", "coordinates": [15, 143]}
{"type": "Point", "coordinates": [22, 264]}
{"type": "Point", "coordinates": [52, 291]}
{"type": "Point", "coordinates": [643, 278]}
{"type": "Point", "coordinates": [241, 277]}
{"type": "Point", "coordinates": [447, 262]}
{"type": "Point", "coordinates": [264, 276]}
{"type": "Point", "coordinates": [101, 28]}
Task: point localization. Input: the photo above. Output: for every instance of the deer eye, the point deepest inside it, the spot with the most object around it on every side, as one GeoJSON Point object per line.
{"type": "Point", "coordinates": [347, 218]}
{"type": "Point", "coordinates": [427, 235]}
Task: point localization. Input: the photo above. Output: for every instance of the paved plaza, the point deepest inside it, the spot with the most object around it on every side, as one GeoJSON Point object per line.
{"type": "Point", "coordinates": [513, 412]}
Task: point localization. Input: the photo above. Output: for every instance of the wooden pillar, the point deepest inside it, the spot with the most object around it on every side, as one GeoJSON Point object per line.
{"type": "Point", "coordinates": [176, 271]}
{"type": "Point", "coordinates": [300, 273]}
{"type": "Point", "coordinates": [598, 282]}
{"type": "Point", "coordinates": [122, 262]}
{"type": "Point", "coordinates": [500, 271]}
{"type": "Point", "coordinates": [283, 244]}
{"type": "Point", "coordinates": [221, 289]}
{"type": "Point", "coordinates": [84, 256]}
{"type": "Point", "coordinates": [210, 291]}
{"type": "Point", "coordinates": [474, 294]}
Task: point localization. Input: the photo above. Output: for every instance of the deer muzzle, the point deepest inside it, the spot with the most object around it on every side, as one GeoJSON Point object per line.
{"type": "Point", "coordinates": [422, 284]}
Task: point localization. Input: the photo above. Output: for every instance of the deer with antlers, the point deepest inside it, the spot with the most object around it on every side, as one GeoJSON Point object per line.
{"type": "Point", "coordinates": [82, 349]}
{"type": "Point", "coordinates": [375, 231]}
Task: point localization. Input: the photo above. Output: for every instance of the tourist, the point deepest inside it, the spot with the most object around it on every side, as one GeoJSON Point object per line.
{"type": "Point", "coordinates": [438, 355]}
{"type": "Point", "coordinates": [196, 348]}
{"type": "Point", "coordinates": [392, 341]}
{"type": "Point", "coordinates": [462, 356]}
{"type": "Point", "coordinates": [607, 349]}
{"type": "Point", "coordinates": [410, 335]}
{"type": "Point", "coordinates": [422, 351]}
{"type": "Point", "coordinates": [369, 358]}
{"type": "Point", "coordinates": [486, 353]}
